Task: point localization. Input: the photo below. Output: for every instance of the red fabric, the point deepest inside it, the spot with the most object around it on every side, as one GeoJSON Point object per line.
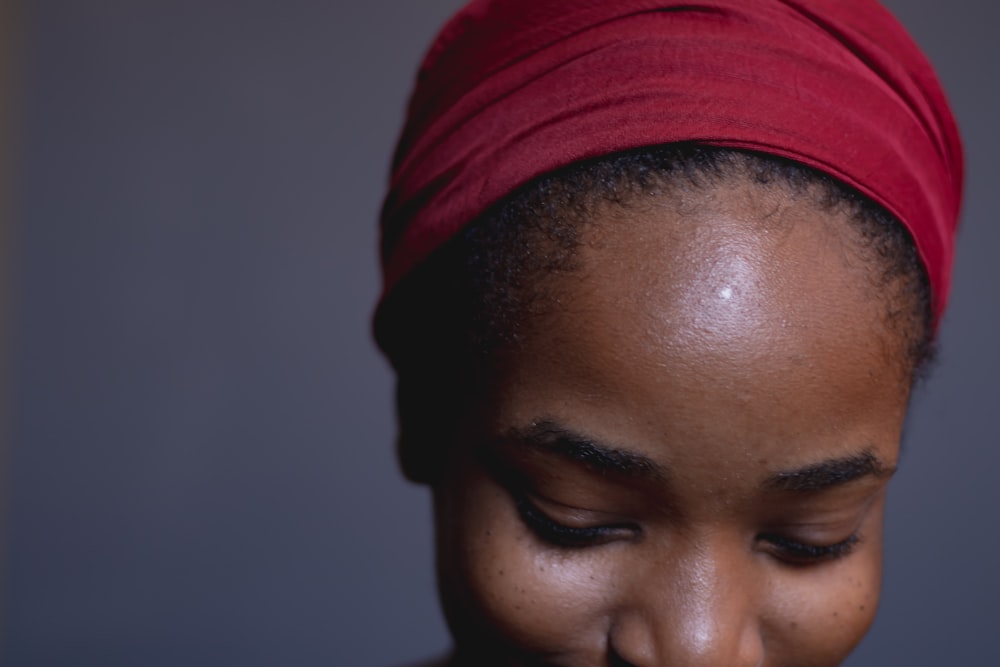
{"type": "Point", "coordinates": [512, 89]}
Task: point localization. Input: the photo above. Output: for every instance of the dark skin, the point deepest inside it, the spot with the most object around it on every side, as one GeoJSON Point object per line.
{"type": "Point", "coordinates": [684, 460]}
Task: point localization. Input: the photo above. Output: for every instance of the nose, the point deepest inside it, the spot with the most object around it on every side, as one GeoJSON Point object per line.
{"type": "Point", "coordinates": [700, 609]}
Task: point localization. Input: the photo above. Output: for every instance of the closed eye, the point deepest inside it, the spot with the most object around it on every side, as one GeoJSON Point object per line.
{"type": "Point", "coordinates": [559, 534]}
{"type": "Point", "coordinates": [794, 552]}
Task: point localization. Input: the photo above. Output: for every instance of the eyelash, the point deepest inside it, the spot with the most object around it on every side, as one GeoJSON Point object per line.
{"type": "Point", "coordinates": [801, 553]}
{"type": "Point", "coordinates": [561, 535]}
{"type": "Point", "coordinates": [571, 537]}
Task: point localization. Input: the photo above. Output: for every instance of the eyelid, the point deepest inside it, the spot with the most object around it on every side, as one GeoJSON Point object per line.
{"type": "Point", "coordinates": [521, 487]}
{"type": "Point", "coordinates": [788, 550]}
{"type": "Point", "coordinates": [817, 534]}
{"type": "Point", "coordinates": [559, 534]}
{"type": "Point", "coordinates": [801, 553]}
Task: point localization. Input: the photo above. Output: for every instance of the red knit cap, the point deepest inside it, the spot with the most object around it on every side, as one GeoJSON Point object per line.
{"type": "Point", "coordinates": [513, 89]}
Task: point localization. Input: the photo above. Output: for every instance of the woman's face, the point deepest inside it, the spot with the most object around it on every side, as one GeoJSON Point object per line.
{"type": "Point", "coordinates": [685, 460]}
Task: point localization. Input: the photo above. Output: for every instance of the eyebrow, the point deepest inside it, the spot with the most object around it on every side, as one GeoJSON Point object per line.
{"type": "Point", "coordinates": [551, 437]}
{"type": "Point", "coordinates": [829, 474]}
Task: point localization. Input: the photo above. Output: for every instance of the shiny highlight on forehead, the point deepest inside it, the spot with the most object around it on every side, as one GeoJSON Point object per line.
{"type": "Point", "coordinates": [546, 233]}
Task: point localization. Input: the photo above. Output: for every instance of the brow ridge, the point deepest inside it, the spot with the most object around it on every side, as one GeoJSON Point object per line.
{"type": "Point", "coordinates": [547, 435]}
{"type": "Point", "coordinates": [830, 473]}
{"type": "Point", "coordinates": [552, 437]}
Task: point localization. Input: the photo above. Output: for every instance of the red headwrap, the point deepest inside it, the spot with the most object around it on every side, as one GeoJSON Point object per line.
{"type": "Point", "coordinates": [512, 89]}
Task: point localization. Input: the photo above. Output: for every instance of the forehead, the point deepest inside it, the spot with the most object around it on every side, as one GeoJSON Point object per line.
{"type": "Point", "coordinates": [733, 273]}
{"type": "Point", "coordinates": [729, 320]}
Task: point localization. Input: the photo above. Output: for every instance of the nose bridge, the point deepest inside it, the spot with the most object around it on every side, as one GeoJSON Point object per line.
{"type": "Point", "coordinates": [696, 607]}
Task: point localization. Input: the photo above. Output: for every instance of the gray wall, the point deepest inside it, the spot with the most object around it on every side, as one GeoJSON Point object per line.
{"type": "Point", "coordinates": [202, 463]}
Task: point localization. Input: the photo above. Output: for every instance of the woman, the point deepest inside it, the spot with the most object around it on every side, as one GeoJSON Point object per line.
{"type": "Point", "coordinates": [659, 279]}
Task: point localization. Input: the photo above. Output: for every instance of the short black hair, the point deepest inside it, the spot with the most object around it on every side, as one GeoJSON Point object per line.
{"type": "Point", "coordinates": [441, 324]}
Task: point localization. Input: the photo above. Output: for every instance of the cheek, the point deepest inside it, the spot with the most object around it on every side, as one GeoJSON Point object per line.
{"type": "Point", "coordinates": [822, 615]}
{"type": "Point", "coordinates": [499, 581]}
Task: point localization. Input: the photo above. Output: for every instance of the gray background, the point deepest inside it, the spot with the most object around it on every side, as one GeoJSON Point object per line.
{"type": "Point", "coordinates": [202, 463]}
